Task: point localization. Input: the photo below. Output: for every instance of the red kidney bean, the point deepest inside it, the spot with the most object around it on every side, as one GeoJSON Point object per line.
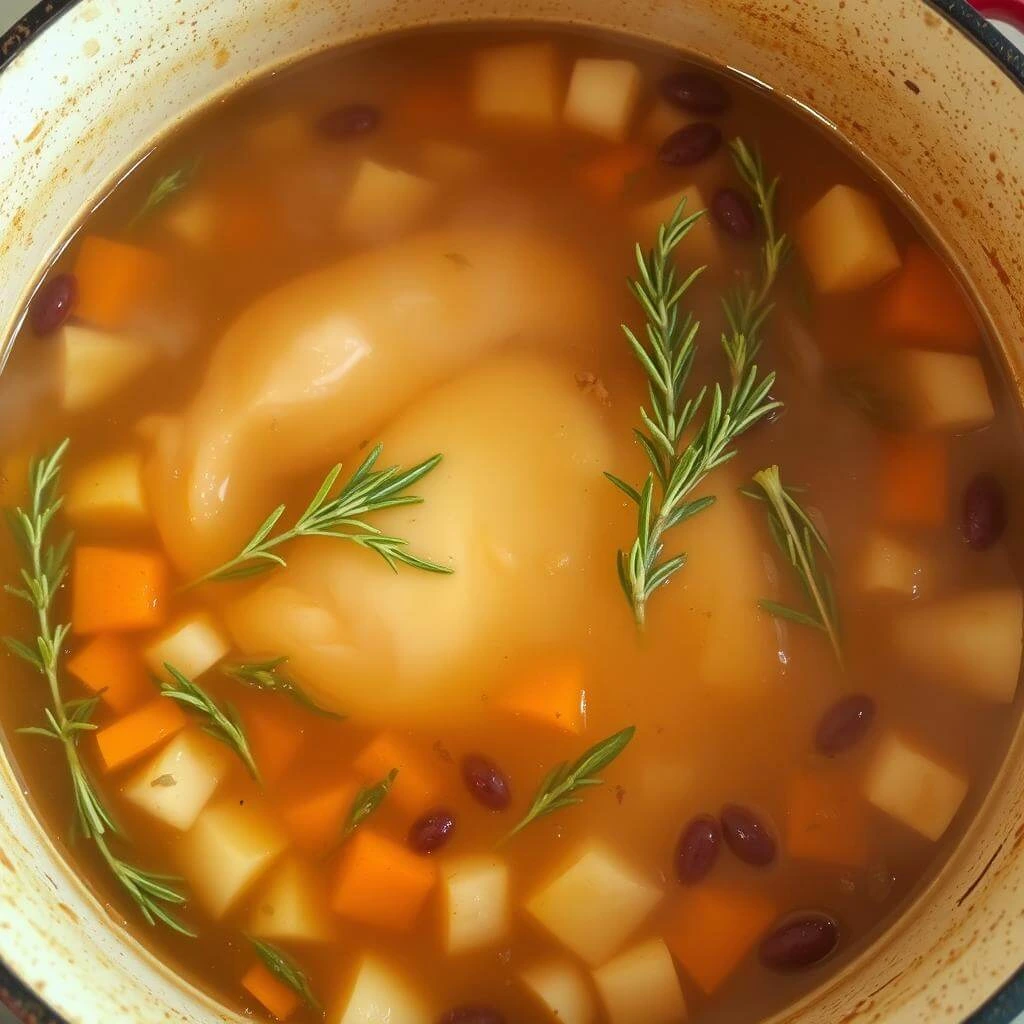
{"type": "Point", "coordinates": [843, 724]}
{"type": "Point", "coordinates": [52, 303]}
{"type": "Point", "coordinates": [747, 836]}
{"type": "Point", "coordinates": [690, 145]}
{"type": "Point", "coordinates": [695, 91]}
{"type": "Point", "coordinates": [983, 518]}
{"type": "Point", "coordinates": [697, 849]}
{"type": "Point", "coordinates": [799, 942]}
{"type": "Point", "coordinates": [472, 1014]}
{"type": "Point", "coordinates": [349, 122]}
{"type": "Point", "coordinates": [734, 214]}
{"type": "Point", "coordinates": [487, 782]}
{"type": "Point", "coordinates": [432, 831]}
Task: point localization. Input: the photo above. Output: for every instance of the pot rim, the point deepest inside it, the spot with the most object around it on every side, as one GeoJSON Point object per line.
{"type": "Point", "coordinates": [1007, 1003]}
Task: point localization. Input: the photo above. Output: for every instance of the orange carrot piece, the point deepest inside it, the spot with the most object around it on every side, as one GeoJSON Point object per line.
{"type": "Point", "coordinates": [435, 106]}
{"type": "Point", "coordinates": [414, 789]}
{"type": "Point", "coordinates": [826, 822]}
{"type": "Point", "coordinates": [111, 669]}
{"type": "Point", "coordinates": [553, 695]}
{"type": "Point", "coordinates": [607, 175]}
{"type": "Point", "coordinates": [275, 738]}
{"type": "Point", "coordinates": [270, 991]}
{"type": "Point", "coordinates": [713, 928]}
{"type": "Point", "coordinates": [113, 279]}
{"type": "Point", "coordinates": [244, 220]}
{"type": "Point", "coordinates": [914, 480]}
{"type": "Point", "coordinates": [315, 822]}
{"type": "Point", "coordinates": [116, 589]}
{"type": "Point", "coordinates": [924, 306]}
{"type": "Point", "coordinates": [139, 731]}
{"type": "Point", "coordinates": [381, 883]}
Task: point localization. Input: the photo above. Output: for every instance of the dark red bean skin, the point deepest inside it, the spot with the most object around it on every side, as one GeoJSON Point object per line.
{"type": "Point", "coordinates": [690, 145]}
{"type": "Point", "coordinates": [799, 942]}
{"type": "Point", "coordinates": [983, 518]}
{"type": "Point", "coordinates": [349, 122]}
{"type": "Point", "coordinates": [748, 836]}
{"type": "Point", "coordinates": [472, 1014]}
{"type": "Point", "coordinates": [487, 782]}
{"type": "Point", "coordinates": [695, 92]}
{"type": "Point", "coordinates": [52, 303]}
{"type": "Point", "coordinates": [432, 831]}
{"type": "Point", "coordinates": [697, 850]}
{"type": "Point", "coordinates": [844, 724]}
{"type": "Point", "coordinates": [734, 214]}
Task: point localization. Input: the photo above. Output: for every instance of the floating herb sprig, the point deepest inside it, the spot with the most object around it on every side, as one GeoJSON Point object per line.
{"type": "Point", "coordinates": [286, 970]}
{"type": "Point", "coordinates": [559, 787]}
{"type": "Point", "coordinates": [338, 515]}
{"type": "Point", "coordinates": [802, 543]}
{"type": "Point", "coordinates": [164, 188]}
{"type": "Point", "coordinates": [42, 575]}
{"type": "Point", "coordinates": [366, 801]}
{"type": "Point", "coordinates": [269, 676]}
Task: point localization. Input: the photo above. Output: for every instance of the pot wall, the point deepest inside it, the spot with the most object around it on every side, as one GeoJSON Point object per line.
{"type": "Point", "coordinates": [931, 110]}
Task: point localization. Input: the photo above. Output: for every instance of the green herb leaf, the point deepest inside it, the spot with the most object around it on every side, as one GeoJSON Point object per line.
{"type": "Point", "coordinates": [269, 677]}
{"type": "Point", "coordinates": [366, 801]}
{"type": "Point", "coordinates": [285, 969]}
{"type": "Point", "coordinates": [163, 189]}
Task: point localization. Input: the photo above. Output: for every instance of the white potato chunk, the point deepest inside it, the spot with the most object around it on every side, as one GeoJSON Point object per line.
{"type": "Point", "coordinates": [889, 565]}
{"type": "Point", "coordinates": [911, 787]}
{"type": "Point", "coordinates": [96, 364]}
{"type": "Point", "coordinates": [602, 96]}
{"type": "Point", "coordinates": [193, 645]}
{"type": "Point", "coordinates": [476, 900]}
{"type": "Point", "coordinates": [291, 906]}
{"type": "Point", "coordinates": [562, 988]}
{"type": "Point", "coordinates": [595, 904]}
{"type": "Point", "coordinates": [970, 642]}
{"type": "Point", "coordinates": [279, 133]}
{"type": "Point", "coordinates": [641, 986]}
{"type": "Point", "coordinates": [384, 201]}
{"type": "Point", "coordinates": [518, 83]}
{"type": "Point", "coordinates": [845, 242]}
{"type": "Point", "coordinates": [663, 120]}
{"type": "Point", "coordinates": [701, 247]}
{"type": "Point", "coordinates": [938, 390]}
{"type": "Point", "coordinates": [179, 782]}
{"type": "Point", "coordinates": [230, 846]}
{"type": "Point", "coordinates": [450, 160]}
{"type": "Point", "coordinates": [107, 491]}
{"type": "Point", "coordinates": [381, 996]}
{"type": "Point", "coordinates": [192, 218]}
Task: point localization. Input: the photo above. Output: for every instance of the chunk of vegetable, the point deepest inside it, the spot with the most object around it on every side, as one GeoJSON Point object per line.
{"type": "Point", "coordinates": [553, 695]}
{"type": "Point", "coordinates": [912, 787]}
{"type": "Point", "coordinates": [193, 219]}
{"type": "Point", "coordinates": [518, 83]}
{"type": "Point", "coordinates": [825, 822]}
{"type": "Point", "coordinates": [281, 132]}
{"type": "Point", "coordinates": [381, 883]}
{"type": "Point", "coordinates": [701, 247]}
{"type": "Point", "coordinates": [380, 995]}
{"type": "Point", "coordinates": [430, 106]}
{"type": "Point", "coordinates": [914, 480]}
{"type": "Point", "coordinates": [272, 993]}
{"type": "Point", "coordinates": [114, 279]}
{"type": "Point", "coordinates": [602, 96]}
{"type": "Point", "coordinates": [384, 201]}
{"type": "Point", "coordinates": [641, 986]}
{"type": "Point", "coordinates": [888, 564]}
{"type": "Point", "coordinates": [607, 176]}
{"type": "Point", "coordinates": [970, 642]}
{"type": "Point", "coordinates": [415, 787]}
{"type": "Point", "coordinates": [180, 781]}
{"type": "Point", "coordinates": [662, 120]}
{"type": "Point", "coordinates": [595, 904]}
{"type": "Point", "coordinates": [450, 160]}
{"type": "Point", "coordinates": [139, 731]}
{"type": "Point", "coordinates": [227, 850]}
{"type": "Point", "coordinates": [476, 899]}
{"type": "Point", "coordinates": [107, 491]}
{"type": "Point", "coordinates": [562, 988]}
{"type": "Point", "coordinates": [97, 364]}
{"type": "Point", "coordinates": [274, 736]}
{"type": "Point", "coordinates": [315, 821]}
{"type": "Point", "coordinates": [291, 907]}
{"type": "Point", "coordinates": [193, 645]}
{"type": "Point", "coordinates": [112, 669]}
{"type": "Point", "coordinates": [938, 390]}
{"type": "Point", "coordinates": [117, 589]}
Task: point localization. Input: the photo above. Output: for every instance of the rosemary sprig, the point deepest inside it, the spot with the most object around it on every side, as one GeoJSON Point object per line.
{"type": "Point", "coordinates": [366, 801]}
{"type": "Point", "coordinates": [222, 723]}
{"type": "Point", "coordinates": [801, 542]}
{"type": "Point", "coordinates": [559, 786]}
{"type": "Point", "coordinates": [41, 577]}
{"type": "Point", "coordinates": [368, 490]}
{"type": "Point", "coordinates": [269, 677]}
{"type": "Point", "coordinates": [285, 969]}
{"type": "Point", "coordinates": [163, 189]}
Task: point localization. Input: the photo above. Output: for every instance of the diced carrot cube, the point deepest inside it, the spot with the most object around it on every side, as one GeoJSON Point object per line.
{"type": "Point", "coordinates": [607, 176]}
{"type": "Point", "coordinates": [111, 669]}
{"type": "Point", "coordinates": [429, 107]}
{"type": "Point", "coordinates": [553, 695]}
{"type": "Point", "coordinates": [914, 480]}
{"type": "Point", "coordinates": [713, 928]}
{"type": "Point", "coordinates": [274, 736]}
{"type": "Point", "coordinates": [244, 220]}
{"type": "Point", "coordinates": [271, 992]}
{"type": "Point", "coordinates": [381, 883]}
{"type": "Point", "coordinates": [315, 822]}
{"type": "Point", "coordinates": [414, 788]}
{"type": "Point", "coordinates": [825, 822]}
{"type": "Point", "coordinates": [139, 731]}
{"type": "Point", "coordinates": [924, 306]}
{"type": "Point", "coordinates": [114, 278]}
{"type": "Point", "coordinates": [116, 589]}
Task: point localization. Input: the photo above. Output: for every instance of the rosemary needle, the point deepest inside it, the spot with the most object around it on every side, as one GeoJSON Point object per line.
{"type": "Point", "coordinates": [164, 188]}
{"type": "Point", "coordinates": [269, 675]}
{"type": "Point", "coordinates": [366, 801]}
{"type": "Point", "coordinates": [285, 969]}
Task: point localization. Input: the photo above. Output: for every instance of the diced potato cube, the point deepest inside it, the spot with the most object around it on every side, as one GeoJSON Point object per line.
{"type": "Point", "coordinates": [192, 219]}
{"type": "Point", "coordinates": [938, 390]}
{"type": "Point", "coordinates": [845, 243]}
{"type": "Point", "coordinates": [889, 565]}
{"type": "Point", "coordinates": [701, 247]}
{"type": "Point", "coordinates": [383, 201]}
{"type": "Point", "coordinates": [562, 988]}
{"type": "Point", "coordinates": [911, 787]}
{"type": "Point", "coordinates": [97, 364]}
{"type": "Point", "coordinates": [476, 900]}
{"type": "Point", "coordinates": [595, 904]}
{"type": "Point", "coordinates": [641, 986]}
{"type": "Point", "coordinates": [193, 645]}
{"type": "Point", "coordinates": [179, 782]}
{"type": "Point", "coordinates": [970, 642]}
{"type": "Point", "coordinates": [108, 490]}
{"type": "Point", "coordinates": [602, 96]}
{"type": "Point", "coordinates": [450, 160]}
{"type": "Point", "coordinates": [381, 996]}
{"type": "Point", "coordinates": [279, 133]}
{"type": "Point", "coordinates": [291, 906]}
{"type": "Point", "coordinates": [519, 82]}
{"type": "Point", "coordinates": [227, 850]}
{"type": "Point", "coordinates": [663, 120]}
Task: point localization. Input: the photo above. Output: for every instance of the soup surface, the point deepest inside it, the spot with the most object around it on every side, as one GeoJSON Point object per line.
{"type": "Point", "coordinates": [374, 788]}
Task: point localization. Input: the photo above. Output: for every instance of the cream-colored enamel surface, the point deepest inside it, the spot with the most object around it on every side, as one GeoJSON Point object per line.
{"type": "Point", "coordinates": [927, 106]}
